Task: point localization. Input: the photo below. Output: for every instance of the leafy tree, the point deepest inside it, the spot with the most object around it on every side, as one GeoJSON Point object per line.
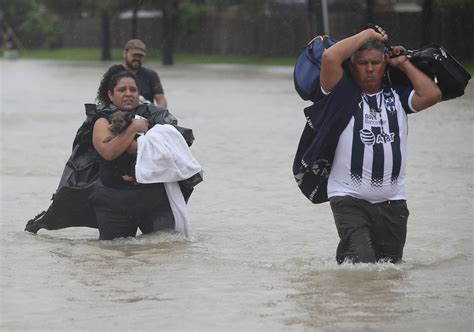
{"type": "Point", "coordinates": [426, 18]}
{"type": "Point", "coordinates": [30, 23]}
{"type": "Point", "coordinates": [370, 5]}
{"type": "Point", "coordinates": [104, 9]}
{"type": "Point", "coordinates": [453, 4]}
{"type": "Point", "coordinates": [107, 8]}
{"type": "Point", "coordinates": [170, 10]}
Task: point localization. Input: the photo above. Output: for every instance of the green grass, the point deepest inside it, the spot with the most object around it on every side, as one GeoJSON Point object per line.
{"type": "Point", "coordinates": [93, 54]}
{"type": "Point", "coordinates": [245, 60]}
{"type": "Point", "coordinates": [469, 65]}
{"type": "Point", "coordinates": [73, 54]}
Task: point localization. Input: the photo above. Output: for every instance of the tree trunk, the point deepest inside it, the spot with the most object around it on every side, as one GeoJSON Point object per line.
{"type": "Point", "coordinates": [370, 11]}
{"type": "Point", "coordinates": [316, 17]}
{"type": "Point", "coordinates": [427, 17]}
{"type": "Point", "coordinates": [105, 39]}
{"type": "Point", "coordinates": [170, 27]}
{"type": "Point", "coordinates": [135, 23]}
{"type": "Point", "coordinates": [310, 15]}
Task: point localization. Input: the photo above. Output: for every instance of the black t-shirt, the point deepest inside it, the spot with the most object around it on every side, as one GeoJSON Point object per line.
{"type": "Point", "coordinates": [149, 83]}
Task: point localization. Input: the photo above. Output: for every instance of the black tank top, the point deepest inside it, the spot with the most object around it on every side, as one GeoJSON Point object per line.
{"type": "Point", "coordinates": [112, 172]}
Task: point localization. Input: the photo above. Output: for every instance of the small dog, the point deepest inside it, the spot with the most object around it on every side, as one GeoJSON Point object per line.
{"type": "Point", "coordinates": [120, 120]}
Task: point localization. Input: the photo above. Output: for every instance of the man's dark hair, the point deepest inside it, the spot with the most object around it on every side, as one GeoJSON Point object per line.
{"type": "Point", "coordinates": [109, 81]}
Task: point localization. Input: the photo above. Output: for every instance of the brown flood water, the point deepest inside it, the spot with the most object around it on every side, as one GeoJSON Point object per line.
{"type": "Point", "coordinates": [261, 256]}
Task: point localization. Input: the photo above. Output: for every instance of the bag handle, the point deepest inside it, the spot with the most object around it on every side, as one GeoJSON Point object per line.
{"type": "Point", "coordinates": [387, 43]}
{"type": "Point", "coordinates": [308, 48]}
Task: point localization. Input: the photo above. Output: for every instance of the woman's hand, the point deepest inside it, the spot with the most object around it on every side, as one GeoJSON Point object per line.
{"type": "Point", "coordinates": [141, 125]}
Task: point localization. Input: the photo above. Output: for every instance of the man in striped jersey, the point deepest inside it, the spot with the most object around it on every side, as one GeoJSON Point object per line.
{"type": "Point", "coordinates": [366, 183]}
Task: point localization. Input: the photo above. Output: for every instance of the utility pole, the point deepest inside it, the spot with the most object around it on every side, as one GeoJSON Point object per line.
{"type": "Point", "coordinates": [105, 33]}
{"type": "Point", "coordinates": [324, 5]}
{"type": "Point", "coordinates": [370, 11]}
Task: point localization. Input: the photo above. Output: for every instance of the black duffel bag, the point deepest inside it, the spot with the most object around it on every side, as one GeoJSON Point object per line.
{"type": "Point", "coordinates": [437, 63]}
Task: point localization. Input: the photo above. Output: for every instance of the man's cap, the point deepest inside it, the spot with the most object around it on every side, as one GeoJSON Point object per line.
{"type": "Point", "coordinates": [136, 46]}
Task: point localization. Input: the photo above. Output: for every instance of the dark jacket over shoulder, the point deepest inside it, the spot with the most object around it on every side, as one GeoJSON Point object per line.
{"type": "Point", "coordinates": [325, 121]}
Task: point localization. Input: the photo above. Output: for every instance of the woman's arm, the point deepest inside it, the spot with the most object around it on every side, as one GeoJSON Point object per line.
{"type": "Point", "coordinates": [110, 149]}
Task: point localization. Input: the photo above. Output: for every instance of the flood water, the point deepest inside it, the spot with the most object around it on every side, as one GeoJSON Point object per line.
{"type": "Point", "coordinates": [260, 256]}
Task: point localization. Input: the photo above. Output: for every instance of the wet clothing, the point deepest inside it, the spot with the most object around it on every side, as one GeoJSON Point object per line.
{"type": "Point", "coordinates": [111, 172]}
{"type": "Point", "coordinates": [120, 212]}
{"type": "Point", "coordinates": [122, 205]}
{"type": "Point", "coordinates": [325, 121]}
{"type": "Point", "coordinates": [367, 177]}
{"type": "Point", "coordinates": [369, 232]}
{"type": "Point", "coordinates": [149, 83]}
{"type": "Point", "coordinates": [71, 206]}
{"type": "Point", "coordinates": [369, 162]}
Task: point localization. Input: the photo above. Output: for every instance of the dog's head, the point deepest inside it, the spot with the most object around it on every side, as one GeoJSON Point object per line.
{"type": "Point", "coordinates": [120, 120]}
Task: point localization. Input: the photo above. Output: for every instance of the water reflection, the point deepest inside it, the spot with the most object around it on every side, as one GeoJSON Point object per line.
{"type": "Point", "coordinates": [352, 297]}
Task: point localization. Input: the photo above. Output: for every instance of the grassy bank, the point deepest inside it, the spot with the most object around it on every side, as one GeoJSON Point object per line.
{"type": "Point", "coordinates": [93, 54]}
{"type": "Point", "coordinates": [469, 65]}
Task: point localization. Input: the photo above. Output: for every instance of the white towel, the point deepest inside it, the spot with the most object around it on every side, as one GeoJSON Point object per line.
{"type": "Point", "coordinates": [164, 157]}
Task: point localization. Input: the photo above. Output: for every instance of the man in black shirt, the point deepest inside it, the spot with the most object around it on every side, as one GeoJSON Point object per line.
{"type": "Point", "coordinates": [149, 83]}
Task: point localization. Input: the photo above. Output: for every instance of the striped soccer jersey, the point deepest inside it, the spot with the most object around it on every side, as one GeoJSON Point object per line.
{"type": "Point", "coordinates": [371, 152]}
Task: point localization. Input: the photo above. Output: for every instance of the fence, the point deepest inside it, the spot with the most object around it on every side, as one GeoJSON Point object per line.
{"type": "Point", "coordinates": [270, 36]}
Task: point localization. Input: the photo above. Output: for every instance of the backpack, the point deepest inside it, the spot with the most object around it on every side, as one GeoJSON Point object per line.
{"type": "Point", "coordinates": [308, 67]}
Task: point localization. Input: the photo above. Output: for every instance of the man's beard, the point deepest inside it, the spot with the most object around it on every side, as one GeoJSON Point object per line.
{"type": "Point", "coordinates": [135, 65]}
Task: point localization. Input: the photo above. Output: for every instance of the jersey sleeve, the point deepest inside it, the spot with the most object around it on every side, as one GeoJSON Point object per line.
{"type": "Point", "coordinates": [406, 94]}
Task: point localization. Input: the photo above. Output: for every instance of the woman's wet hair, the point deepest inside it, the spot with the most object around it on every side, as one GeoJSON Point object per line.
{"type": "Point", "coordinates": [371, 44]}
{"type": "Point", "coordinates": [109, 81]}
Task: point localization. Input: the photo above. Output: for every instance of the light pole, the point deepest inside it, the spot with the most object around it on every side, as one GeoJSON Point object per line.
{"type": "Point", "coordinates": [324, 5]}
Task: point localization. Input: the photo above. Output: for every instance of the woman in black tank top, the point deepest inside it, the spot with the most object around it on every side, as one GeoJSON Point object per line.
{"type": "Point", "coordinates": [122, 205]}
